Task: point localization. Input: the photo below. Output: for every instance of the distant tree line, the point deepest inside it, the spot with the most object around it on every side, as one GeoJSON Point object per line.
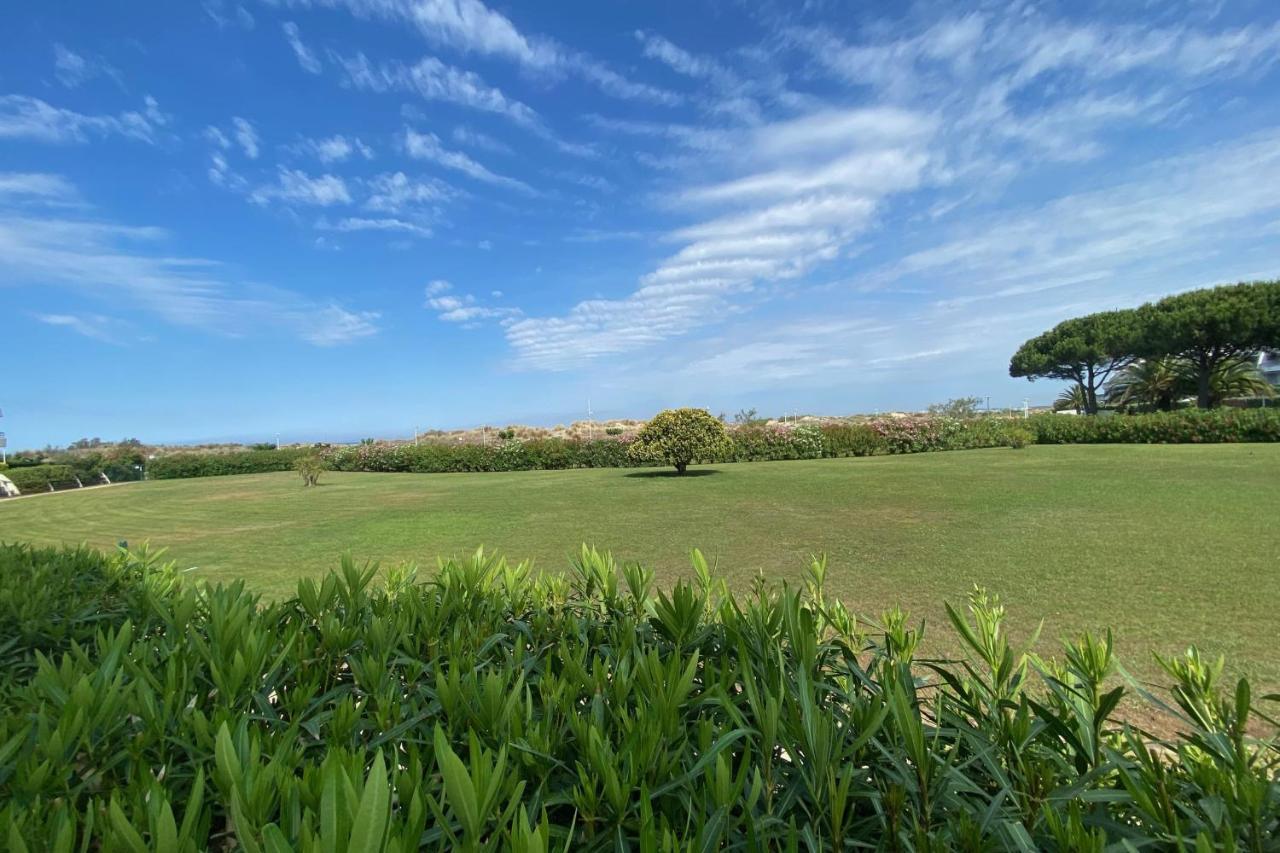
{"type": "Point", "coordinates": [1200, 343]}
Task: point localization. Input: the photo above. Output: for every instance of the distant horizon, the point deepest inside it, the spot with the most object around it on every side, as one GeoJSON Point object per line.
{"type": "Point", "coordinates": [236, 218]}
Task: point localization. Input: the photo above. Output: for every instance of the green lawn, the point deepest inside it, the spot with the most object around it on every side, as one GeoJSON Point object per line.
{"type": "Point", "coordinates": [1169, 545]}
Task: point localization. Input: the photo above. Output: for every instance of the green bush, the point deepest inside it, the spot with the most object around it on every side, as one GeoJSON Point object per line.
{"type": "Point", "coordinates": [1187, 426]}
{"type": "Point", "coordinates": [196, 464]}
{"type": "Point", "coordinates": [680, 437]}
{"type": "Point", "coordinates": [488, 707]}
{"type": "Point", "coordinates": [1019, 437]}
{"type": "Point", "coordinates": [51, 600]}
{"type": "Point", "coordinates": [852, 440]}
{"type": "Point", "coordinates": [38, 478]}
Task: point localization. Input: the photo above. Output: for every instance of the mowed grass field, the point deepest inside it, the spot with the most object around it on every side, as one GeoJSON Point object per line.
{"type": "Point", "coordinates": [1169, 545]}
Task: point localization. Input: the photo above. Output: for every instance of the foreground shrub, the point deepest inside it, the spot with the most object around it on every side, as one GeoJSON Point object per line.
{"type": "Point", "coordinates": [490, 708]}
{"type": "Point", "coordinates": [680, 437]}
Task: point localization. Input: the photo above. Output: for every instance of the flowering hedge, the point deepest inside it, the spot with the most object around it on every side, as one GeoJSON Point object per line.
{"type": "Point", "coordinates": [510, 455]}
{"type": "Point", "coordinates": [1188, 426]}
{"type": "Point", "coordinates": [912, 434]}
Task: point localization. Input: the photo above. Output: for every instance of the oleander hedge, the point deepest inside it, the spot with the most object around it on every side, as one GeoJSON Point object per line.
{"type": "Point", "coordinates": [886, 435]}
{"type": "Point", "coordinates": [488, 708]}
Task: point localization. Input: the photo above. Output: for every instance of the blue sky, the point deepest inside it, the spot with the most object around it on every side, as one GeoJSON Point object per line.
{"type": "Point", "coordinates": [348, 217]}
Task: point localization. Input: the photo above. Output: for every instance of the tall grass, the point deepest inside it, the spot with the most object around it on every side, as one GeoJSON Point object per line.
{"type": "Point", "coordinates": [487, 707]}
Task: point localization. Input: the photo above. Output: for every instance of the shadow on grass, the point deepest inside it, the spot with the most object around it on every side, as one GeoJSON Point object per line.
{"type": "Point", "coordinates": [692, 472]}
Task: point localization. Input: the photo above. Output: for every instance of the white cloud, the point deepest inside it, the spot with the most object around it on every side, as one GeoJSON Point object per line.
{"type": "Point", "coordinates": [335, 149]}
{"type": "Point", "coordinates": [23, 117]}
{"type": "Point", "coordinates": [473, 138]}
{"type": "Point", "coordinates": [679, 59]}
{"type": "Point", "coordinates": [396, 192]}
{"type": "Point", "coordinates": [127, 266]}
{"type": "Point", "coordinates": [1179, 209]}
{"type": "Point", "coordinates": [427, 146]}
{"type": "Point", "coordinates": [297, 187]}
{"type": "Point", "coordinates": [39, 186]}
{"type": "Point", "coordinates": [333, 325]}
{"type": "Point", "coordinates": [463, 308]}
{"type": "Point", "coordinates": [470, 26]}
{"type": "Point", "coordinates": [803, 199]}
{"type": "Point", "coordinates": [358, 223]}
{"type": "Point", "coordinates": [226, 14]}
{"type": "Point", "coordinates": [217, 137]}
{"type": "Point", "coordinates": [94, 326]}
{"type": "Point", "coordinates": [246, 136]}
{"type": "Point", "coordinates": [306, 56]}
{"type": "Point", "coordinates": [434, 80]}
{"type": "Point", "coordinates": [73, 69]}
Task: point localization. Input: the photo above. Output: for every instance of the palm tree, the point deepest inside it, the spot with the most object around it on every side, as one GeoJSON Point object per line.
{"type": "Point", "coordinates": [1072, 397]}
{"type": "Point", "coordinates": [1237, 379]}
{"type": "Point", "coordinates": [1154, 383]}
{"type": "Point", "coordinates": [1158, 383]}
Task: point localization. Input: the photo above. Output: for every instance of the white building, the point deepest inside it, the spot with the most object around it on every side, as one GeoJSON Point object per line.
{"type": "Point", "coordinates": [1269, 366]}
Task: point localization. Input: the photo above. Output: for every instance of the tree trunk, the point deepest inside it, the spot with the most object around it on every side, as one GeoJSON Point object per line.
{"type": "Point", "coordinates": [680, 467]}
{"type": "Point", "coordinates": [1090, 394]}
{"type": "Point", "coordinates": [1203, 395]}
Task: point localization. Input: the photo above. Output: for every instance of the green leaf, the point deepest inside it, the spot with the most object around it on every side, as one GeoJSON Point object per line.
{"type": "Point", "coordinates": [457, 785]}
{"type": "Point", "coordinates": [125, 830]}
{"type": "Point", "coordinates": [371, 817]}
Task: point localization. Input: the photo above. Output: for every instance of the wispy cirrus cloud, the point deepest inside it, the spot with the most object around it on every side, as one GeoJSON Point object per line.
{"type": "Point", "coordinates": [435, 80]}
{"type": "Point", "coordinates": [95, 326]}
{"type": "Point", "coordinates": [464, 308]}
{"type": "Point", "coordinates": [37, 186]}
{"type": "Point", "coordinates": [333, 149]}
{"type": "Point", "coordinates": [396, 192]}
{"type": "Point", "coordinates": [129, 267]}
{"type": "Point", "coordinates": [74, 69]}
{"type": "Point", "coordinates": [385, 223]}
{"type": "Point", "coordinates": [803, 195]}
{"type": "Point", "coordinates": [471, 27]}
{"type": "Point", "coordinates": [427, 146]}
{"type": "Point", "coordinates": [307, 58]}
{"type": "Point", "coordinates": [25, 117]}
{"type": "Point", "coordinates": [293, 186]}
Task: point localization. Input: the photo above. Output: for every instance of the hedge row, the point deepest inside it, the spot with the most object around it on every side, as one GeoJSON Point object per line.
{"type": "Point", "coordinates": [491, 708]}
{"type": "Point", "coordinates": [1189, 426]}
{"type": "Point", "coordinates": [194, 464]}
{"type": "Point", "coordinates": [37, 478]}
{"type": "Point", "coordinates": [916, 434]}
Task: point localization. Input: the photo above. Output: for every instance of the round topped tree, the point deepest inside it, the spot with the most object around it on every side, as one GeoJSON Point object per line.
{"type": "Point", "coordinates": [679, 437]}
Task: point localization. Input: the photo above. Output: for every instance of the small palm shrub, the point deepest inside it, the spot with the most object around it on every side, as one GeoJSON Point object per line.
{"type": "Point", "coordinates": [489, 708]}
{"type": "Point", "coordinates": [310, 466]}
